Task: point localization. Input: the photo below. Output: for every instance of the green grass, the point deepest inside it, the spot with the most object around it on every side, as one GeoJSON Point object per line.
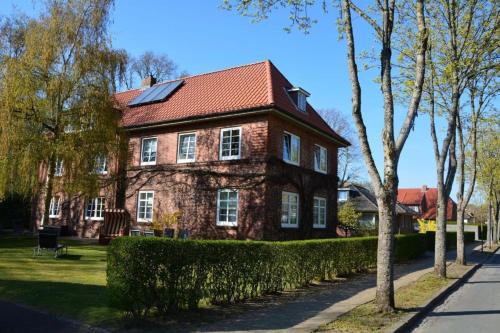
{"type": "Point", "coordinates": [73, 285]}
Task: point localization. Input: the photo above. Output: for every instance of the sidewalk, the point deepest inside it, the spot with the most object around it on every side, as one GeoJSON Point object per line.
{"type": "Point", "coordinates": [305, 314]}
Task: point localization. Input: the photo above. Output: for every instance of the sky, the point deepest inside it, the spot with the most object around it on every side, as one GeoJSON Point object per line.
{"type": "Point", "coordinates": [201, 37]}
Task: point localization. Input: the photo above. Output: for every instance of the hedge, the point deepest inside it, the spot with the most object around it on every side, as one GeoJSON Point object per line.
{"type": "Point", "coordinates": [165, 274]}
{"type": "Point", "coordinates": [451, 239]}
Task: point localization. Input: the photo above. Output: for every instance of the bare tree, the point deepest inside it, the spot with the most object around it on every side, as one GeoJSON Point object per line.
{"type": "Point", "coordinates": [349, 159]}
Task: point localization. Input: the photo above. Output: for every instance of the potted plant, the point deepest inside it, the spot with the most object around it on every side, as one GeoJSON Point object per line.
{"type": "Point", "coordinates": [163, 225]}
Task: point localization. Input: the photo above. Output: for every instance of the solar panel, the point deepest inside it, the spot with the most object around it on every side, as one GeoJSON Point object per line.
{"type": "Point", "coordinates": [156, 93]}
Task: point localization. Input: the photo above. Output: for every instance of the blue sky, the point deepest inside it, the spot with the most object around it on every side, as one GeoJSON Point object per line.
{"type": "Point", "coordinates": [200, 37]}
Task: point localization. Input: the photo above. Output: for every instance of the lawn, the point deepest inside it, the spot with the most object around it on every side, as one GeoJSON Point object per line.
{"type": "Point", "coordinates": [73, 285]}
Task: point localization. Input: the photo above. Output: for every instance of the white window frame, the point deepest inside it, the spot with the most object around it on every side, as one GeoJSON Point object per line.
{"type": "Point", "coordinates": [98, 161]}
{"type": "Point", "coordinates": [318, 167]}
{"type": "Point", "coordinates": [95, 202]}
{"type": "Point", "coordinates": [53, 206]}
{"type": "Point", "coordinates": [185, 160]}
{"type": "Point", "coordinates": [316, 214]}
{"type": "Point", "coordinates": [145, 220]}
{"type": "Point", "coordinates": [341, 199]}
{"type": "Point", "coordinates": [292, 136]}
{"type": "Point", "coordinates": [58, 168]}
{"type": "Point", "coordinates": [301, 101]}
{"type": "Point", "coordinates": [230, 157]}
{"type": "Point", "coordinates": [288, 224]}
{"type": "Point", "coordinates": [227, 223]}
{"type": "Point", "coordinates": [142, 148]}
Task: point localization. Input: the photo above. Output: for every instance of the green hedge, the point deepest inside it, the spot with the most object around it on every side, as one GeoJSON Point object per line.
{"type": "Point", "coordinates": [451, 239]}
{"type": "Point", "coordinates": [165, 274]}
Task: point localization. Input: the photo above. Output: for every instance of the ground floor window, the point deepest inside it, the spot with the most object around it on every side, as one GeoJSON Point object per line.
{"type": "Point", "coordinates": [55, 207]}
{"type": "Point", "coordinates": [289, 210]}
{"type": "Point", "coordinates": [145, 206]}
{"type": "Point", "coordinates": [95, 209]}
{"type": "Point", "coordinates": [227, 207]}
{"type": "Point", "coordinates": [319, 212]}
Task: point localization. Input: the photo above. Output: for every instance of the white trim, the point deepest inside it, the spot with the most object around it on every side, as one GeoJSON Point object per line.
{"type": "Point", "coordinates": [315, 225]}
{"type": "Point", "coordinates": [326, 159]}
{"type": "Point", "coordinates": [186, 160]}
{"type": "Point", "coordinates": [226, 158]}
{"type": "Point", "coordinates": [152, 206]}
{"type": "Point", "coordinates": [342, 190]}
{"type": "Point", "coordinates": [290, 225]}
{"type": "Point", "coordinates": [95, 218]}
{"type": "Point", "coordinates": [226, 223]}
{"type": "Point", "coordinates": [142, 146]}
{"type": "Point", "coordinates": [283, 148]}
{"type": "Point", "coordinates": [58, 207]}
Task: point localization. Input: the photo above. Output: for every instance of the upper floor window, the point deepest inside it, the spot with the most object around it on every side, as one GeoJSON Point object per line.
{"type": "Point", "coordinates": [58, 168]}
{"type": "Point", "coordinates": [145, 206]}
{"type": "Point", "coordinates": [148, 151]}
{"type": "Point", "coordinates": [289, 210]}
{"type": "Point", "coordinates": [291, 148]}
{"type": "Point", "coordinates": [101, 165]}
{"type": "Point", "coordinates": [301, 101]}
{"type": "Point", "coordinates": [343, 195]}
{"type": "Point", "coordinates": [319, 212]}
{"type": "Point", "coordinates": [320, 158]}
{"type": "Point", "coordinates": [299, 96]}
{"type": "Point", "coordinates": [186, 147]}
{"type": "Point", "coordinates": [55, 207]}
{"type": "Point", "coordinates": [230, 143]}
{"type": "Point", "coordinates": [95, 209]}
{"type": "Point", "coordinates": [227, 207]}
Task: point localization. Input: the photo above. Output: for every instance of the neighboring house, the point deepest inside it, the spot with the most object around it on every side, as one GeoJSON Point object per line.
{"type": "Point", "coordinates": [364, 201]}
{"type": "Point", "coordinates": [240, 152]}
{"type": "Point", "coordinates": [424, 202]}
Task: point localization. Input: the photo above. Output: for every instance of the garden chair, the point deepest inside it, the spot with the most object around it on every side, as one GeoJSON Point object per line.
{"type": "Point", "coordinates": [48, 241]}
{"type": "Point", "coordinates": [116, 223]}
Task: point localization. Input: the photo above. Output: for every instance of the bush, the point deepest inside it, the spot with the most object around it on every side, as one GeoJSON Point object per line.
{"type": "Point", "coordinates": [451, 239]}
{"type": "Point", "coordinates": [166, 274]}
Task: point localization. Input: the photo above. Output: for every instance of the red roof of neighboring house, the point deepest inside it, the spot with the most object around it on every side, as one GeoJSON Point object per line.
{"type": "Point", "coordinates": [426, 198]}
{"type": "Point", "coordinates": [238, 89]}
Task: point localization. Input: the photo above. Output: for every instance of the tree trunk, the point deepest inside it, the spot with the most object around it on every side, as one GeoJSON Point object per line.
{"type": "Point", "coordinates": [49, 184]}
{"type": "Point", "coordinates": [440, 241]}
{"type": "Point", "coordinates": [385, 255]}
{"type": "Point", "coordinates": [460, 237]}
{"type": "Point", "coordinates": [489, 230]}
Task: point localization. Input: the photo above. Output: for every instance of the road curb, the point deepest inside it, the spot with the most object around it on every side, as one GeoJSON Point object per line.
{"type": "Point", "coordinates": [412, 319]}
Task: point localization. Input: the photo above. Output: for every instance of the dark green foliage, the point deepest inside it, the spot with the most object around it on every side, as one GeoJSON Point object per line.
{"type": "Point", "coordinates": [165, 274]}
{"type": "Point", "coordinates": [451, 239]}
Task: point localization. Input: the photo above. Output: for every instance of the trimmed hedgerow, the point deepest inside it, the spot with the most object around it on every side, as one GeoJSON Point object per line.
{"type": "Point", "coordinates": [165, 274]}
{"type": "Point", "coordinates": [451, 239]}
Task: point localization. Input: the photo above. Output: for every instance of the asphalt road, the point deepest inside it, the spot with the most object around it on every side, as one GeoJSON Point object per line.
{"type": "Point", "coordinates": [475, 307]}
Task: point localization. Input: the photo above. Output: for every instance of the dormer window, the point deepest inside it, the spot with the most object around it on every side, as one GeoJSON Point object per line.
{"type": "Point", "coordinates": [299, 97]}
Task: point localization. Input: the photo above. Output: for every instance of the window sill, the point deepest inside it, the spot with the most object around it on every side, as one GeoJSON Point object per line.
{"type": "Point", "coordinates": [144, 221]}
{"type": "Point", "coordinates": [54, 216]}
{"type": "Point", "coordinates": [291, 162]}
{"type": "Point", "coordinates": [319, 226]}
{"type": "Point", "coordinates": [227, 224]}
{"type": "Point", "coordinates": [289, 226]}
{"type": "Point", "coordinates": [95, 218]}
{"type": "Point", "coordinates": [147, 163]}
{"type": "Point", "coordinates": [185, 161]}
{"type": "Point", "coordinates": [229, 158]}
{"type": "Point", "coordinates": [321, 171]}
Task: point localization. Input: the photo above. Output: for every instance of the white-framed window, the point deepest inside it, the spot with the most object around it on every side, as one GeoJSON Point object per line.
{"type": "Point", "coordinates": [301, 101]}
{"type": "Point", "coordinates": [145, 206]}
{"type": "Point", "coordinates": [55, 207]}
{"type": "Point", "coordinates": [95, 209]}
{"type": "Point", "coordinates": [186, 147]}
{"type": "Point", "coordinates": [148, 151]}
{"type": "Point", "coordinates": [319, 212]}
{"type": "Point", "coordinates": [230, 143]}
{"type": "Point", "coordinates": [291, 148]}
{"type": "Point", "coordinates": [289, 210]}
{"type": "Point", "coordinates": [227, 207]}
{"type": "Point", "coordinates": [58, 168]}
{"type": "Point", "coordinates": [320, 159]}
{"type": "Point", "coordinates": [101, 165]}
{"type": "Point", "coordinates": [343, 195]}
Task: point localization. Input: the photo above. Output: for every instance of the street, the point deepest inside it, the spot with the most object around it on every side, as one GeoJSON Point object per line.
{"type": "Point", "coordinates": [475, 307]}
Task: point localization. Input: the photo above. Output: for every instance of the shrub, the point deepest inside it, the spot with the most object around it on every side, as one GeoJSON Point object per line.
{"type": "Point", "coordinates": [166, 274]}
{"type": "Point", "coordinates": [451, 239]}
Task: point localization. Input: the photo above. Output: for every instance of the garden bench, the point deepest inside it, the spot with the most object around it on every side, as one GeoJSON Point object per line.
{"type": "Point", "coordinates": [48, 241]}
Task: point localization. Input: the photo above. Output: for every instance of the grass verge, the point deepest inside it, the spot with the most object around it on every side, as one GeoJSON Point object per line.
{"type": "Point", "coordinates": [72, 285]}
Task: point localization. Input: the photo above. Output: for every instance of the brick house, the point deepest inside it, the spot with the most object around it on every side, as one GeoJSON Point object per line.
{"type": "Point", "coordinates": [240, 152]}
{"type": "Point", "coordinates": [424, 202]}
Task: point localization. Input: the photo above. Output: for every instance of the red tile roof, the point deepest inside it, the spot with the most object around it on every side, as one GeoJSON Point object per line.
{"type": "Point", "coordinates": [427, 200]}
{"type": "Point", "coordinates": [237, 89]}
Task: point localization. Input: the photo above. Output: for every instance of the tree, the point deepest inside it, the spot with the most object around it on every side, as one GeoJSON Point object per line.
{"type": "Point", "coordinates": [55, 105]}
{"type": "Point", "coordinates": [349, 167]}
{"type": "Point", "coordinates": [348, 216]}
{"type": "Point", "coordinates": [382, 17]}
{"type": "Point", "coordinates": [159, 66]}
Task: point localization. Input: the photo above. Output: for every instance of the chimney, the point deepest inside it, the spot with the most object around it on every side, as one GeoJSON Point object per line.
{"type": "Point", "coordinates": [148, 81]}
{"type": "Point", "coordinates": [424, 188]}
